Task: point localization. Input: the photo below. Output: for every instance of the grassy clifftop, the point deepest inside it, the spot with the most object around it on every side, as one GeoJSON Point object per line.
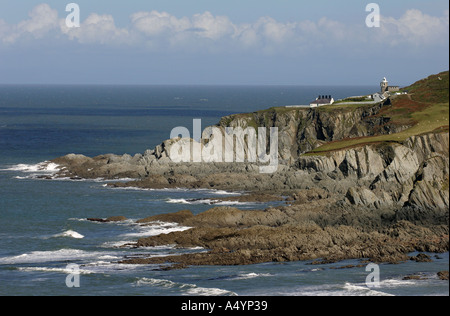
{"type": "Point", "coordinates": [317, 131]}
{"type": "Point", "coordinates": [425, 109]}
{"type": "Point", "coordinates": [433, 89]}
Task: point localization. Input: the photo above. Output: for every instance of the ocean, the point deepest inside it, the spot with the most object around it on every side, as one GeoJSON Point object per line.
{"type": "Point", "coordinates": [43, 226]}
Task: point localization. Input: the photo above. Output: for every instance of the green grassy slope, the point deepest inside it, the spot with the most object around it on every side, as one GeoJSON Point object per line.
{"type": "Point", "coordinates": [425, 109]}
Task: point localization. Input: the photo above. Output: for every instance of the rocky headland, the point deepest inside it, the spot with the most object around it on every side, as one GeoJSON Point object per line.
{"type": "Point", "coordinates": [379, 191]}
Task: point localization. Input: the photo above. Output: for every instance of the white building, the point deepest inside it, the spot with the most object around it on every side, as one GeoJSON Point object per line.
{"type": "Point", "coordinates": [385, 87]}
{"type": "Point", "coordinates": [378, 97]}
{"type": "Point", "coordinates": [321, 101]}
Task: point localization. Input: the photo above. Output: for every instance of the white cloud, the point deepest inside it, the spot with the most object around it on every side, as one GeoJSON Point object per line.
{"type": "Point", "coordinates": [43, 19]}
{"type": "Point", "coordinates": [97, 29]}
{"type": "Point", "coordinates": [162, 31]}
{"type": "Point", "coordinates": [168, 29]}
{"type": "Point", "coordinates": [4, 28]}
{"type": "Point", "coordinates": [416, 28]}
{"type": "Point", "coordinates": [213, 27]}
{"type": "Point", "coordinates": [156, 23]}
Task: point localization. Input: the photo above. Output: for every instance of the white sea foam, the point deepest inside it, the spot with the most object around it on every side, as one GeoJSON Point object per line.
{"type": "Point", "coordinates": [48, 269]}
{"type": "Point", "coordinates": [46, 166]}
{"type": "Point", "coordinates": [187, 289]}
{"type": "Point", "coordinates": [114, 180]}
{"type": "Point", "coordinates": [69, 233]}
{"type": "Point", "coordinates": [99, 266]}
{"type": "Point", "coordinates": [207, 202]}
{"type": "Point", "coordinates": [222, 192]}
{"type": "Point", "coordinates": [126, 188]}
{"type": "Point", "coordinates": [244, 276]}
{"type": "Point", "coordinates": [178, 201]}
{"type": "Point", "coordinates": [175, 190]}
{"type": "Point", "coordinates": [34, 171]}
{"type": "Point", "coordinates": [83, 219]}
{"type": "Point", "coordinates": [393, 283]}
{"type": "Point", "coordinates": [203, 291]}
{"type": "Point", "coordinates": [361, 290]}
{"type": "Point", "coordinates": [347, 289]}
{"type": "Point", "coordinates": [155, 229]}
{"type": "Point", "coordinates": [50, 256]}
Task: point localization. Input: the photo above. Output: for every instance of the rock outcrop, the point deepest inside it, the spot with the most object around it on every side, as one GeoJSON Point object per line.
{"type": "Point", "coordinates": [302, 130]}
{"type": "Point", "coordinates": [378, 200]}
{"type": "Point", "coordinates": [307, 231]}
{"type": "Point", "coordinates": [414, 173]}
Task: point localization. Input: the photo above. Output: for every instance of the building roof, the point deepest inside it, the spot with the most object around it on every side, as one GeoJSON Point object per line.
{"type": "Point", "coordinates": [321, 101]}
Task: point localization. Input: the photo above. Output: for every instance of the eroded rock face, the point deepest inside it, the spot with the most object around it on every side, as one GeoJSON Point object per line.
{"type": "Point", "coordinates": [306, 231]}
{"type": "Point", "coordinates": [415, 173]}
{"type": "Point", "coordinates": [378, 201]}
{"type": "Point", "coordinates": [302, 130]}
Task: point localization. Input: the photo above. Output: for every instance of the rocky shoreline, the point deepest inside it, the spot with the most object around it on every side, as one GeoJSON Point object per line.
{"type": "Point", "coordinates": [329, 213]}
{"type": "Point", "coordinates": [305, 231]}
{"type": "Point", "coordinates": [377, 202]}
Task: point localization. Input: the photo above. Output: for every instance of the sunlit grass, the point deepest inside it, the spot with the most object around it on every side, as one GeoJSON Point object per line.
{"type": "Point", "coordinates": [432, 118]}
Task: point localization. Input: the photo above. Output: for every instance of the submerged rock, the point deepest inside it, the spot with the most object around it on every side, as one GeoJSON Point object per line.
{"type": "Point", "coordinates": [109, 219]}
{"type": "Point", "coordinates": [443, 275]}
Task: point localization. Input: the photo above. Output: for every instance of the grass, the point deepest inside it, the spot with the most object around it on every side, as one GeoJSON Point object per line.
{"type": "Point", "coordinates": [434, 89]}
{"type": "Point", "coordinates": [425, 110]}
{"type": "Point", "coordinates": [433, 118]}
{"type": "Point", "coordinates": [342, 107]}
{"type": "Point", "coordinates": [354, 99]}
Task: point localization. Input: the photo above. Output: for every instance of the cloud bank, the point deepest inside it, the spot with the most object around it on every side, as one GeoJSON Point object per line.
{"type": "Point", "coordinates": [205, 32]}
{"type": "Point", "coordinates": [161, 31]}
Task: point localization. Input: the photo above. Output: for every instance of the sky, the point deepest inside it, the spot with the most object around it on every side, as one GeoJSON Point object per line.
{"type": "Point", "coordinates": [245, 42]}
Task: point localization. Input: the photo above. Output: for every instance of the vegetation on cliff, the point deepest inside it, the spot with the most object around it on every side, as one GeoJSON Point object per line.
{"type": "Point", "coordinates": [424, 109]}
{"type": "Point", "coordinates": [365, 181]}
{"type": "Point", "coordinates": [315, 131]}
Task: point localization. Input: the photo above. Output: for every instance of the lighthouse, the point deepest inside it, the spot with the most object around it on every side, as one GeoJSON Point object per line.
{"type": "Point", "coordinates": [384, 85]}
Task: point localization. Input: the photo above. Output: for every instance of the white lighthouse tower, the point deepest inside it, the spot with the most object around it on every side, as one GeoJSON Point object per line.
{"type": "Point", "coordinates": [384, 85]}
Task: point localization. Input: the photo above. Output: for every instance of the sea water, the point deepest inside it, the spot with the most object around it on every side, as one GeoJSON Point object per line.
{"type": "Point", "coordinates": [44, 226]}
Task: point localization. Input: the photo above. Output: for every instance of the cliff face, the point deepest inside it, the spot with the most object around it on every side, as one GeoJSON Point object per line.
{"type": "Point", "coordinates": [366, 198]}
{"type": "Point", "coordinates": [303, 129]}
{"type": "Point", "coordinates": [414, 173]}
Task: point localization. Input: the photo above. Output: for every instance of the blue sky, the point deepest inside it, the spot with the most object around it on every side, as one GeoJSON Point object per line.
{"type": "Point", "coordinates": [222, 42]}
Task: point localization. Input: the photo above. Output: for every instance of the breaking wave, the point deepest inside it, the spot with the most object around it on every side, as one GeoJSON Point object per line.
{"type": "Point", "coordinates": [70, 234]}
{"type": "Point", "coordinates": [206, 202]}
{"type": "Point", "coordinates": [185, 288]}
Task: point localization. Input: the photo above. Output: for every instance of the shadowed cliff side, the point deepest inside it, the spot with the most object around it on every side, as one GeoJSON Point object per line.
{"type": "Point", "coordinates": [365, 181]}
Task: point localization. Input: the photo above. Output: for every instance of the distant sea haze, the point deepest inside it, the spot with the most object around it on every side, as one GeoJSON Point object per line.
{"type": "Point", "coordinates": [52, 120]}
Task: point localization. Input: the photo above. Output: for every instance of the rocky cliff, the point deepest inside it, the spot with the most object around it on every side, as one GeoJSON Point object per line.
{"type": "Point", "coordinates": [412, 173]}
{"type": "Point", "coordinates": [379, 197]}
{"type": "Point", "coordinates": [301, 130]}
